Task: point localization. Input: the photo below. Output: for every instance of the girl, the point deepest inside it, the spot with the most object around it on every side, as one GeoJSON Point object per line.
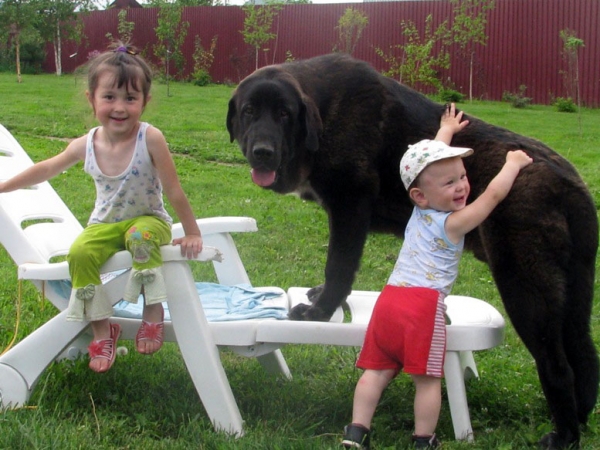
{"type": "Point", "coordinates": [131, 165]}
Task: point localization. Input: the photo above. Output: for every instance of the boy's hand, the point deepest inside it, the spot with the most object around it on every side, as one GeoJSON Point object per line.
{"type": "Point", "coordinates": [452, 121]}
{"type": "Point", "coordinates": [191, 245]}
{"type": "Point", "coordinates": [519, 158]}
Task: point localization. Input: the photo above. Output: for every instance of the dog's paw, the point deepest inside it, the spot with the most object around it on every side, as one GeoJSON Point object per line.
{"type": "Point", "coordinates": [552, 441]}
{"type": "Point", "coordinates": [297, 312]}
{"type": "Point", "coordinates": [314, 293]}
{"type": "Point", "coordinates": [308, 313]}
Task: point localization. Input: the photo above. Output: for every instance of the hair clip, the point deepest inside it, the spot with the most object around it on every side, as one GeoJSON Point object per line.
{"type": "Point", "coordinates": [124, 49]}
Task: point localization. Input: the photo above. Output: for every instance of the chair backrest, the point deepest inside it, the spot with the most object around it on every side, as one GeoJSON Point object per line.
{"type": "Point", "coordinates": [35, 224]}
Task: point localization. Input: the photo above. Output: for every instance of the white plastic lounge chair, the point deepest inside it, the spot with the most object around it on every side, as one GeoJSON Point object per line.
{"type": "Point", "coordinates": [476, 325]}
{"type": "Point", "coordinates": [35, 226]}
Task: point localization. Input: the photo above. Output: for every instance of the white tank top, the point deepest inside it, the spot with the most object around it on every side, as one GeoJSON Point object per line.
{"type": "Point", "coordinates": [134, 193]}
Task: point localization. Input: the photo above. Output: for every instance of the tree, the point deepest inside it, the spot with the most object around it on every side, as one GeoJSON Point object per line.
{"type": "Point", "coordinates": [350, 27]}
{"type": "Point", "coordinates": [422, 56]}
{"type": "Point", "coordinates": [15, 17]}
{"type": "Point", "coordinates": [170, 33]}
{"type": "Point", "coordinates": [257, 26]}
{"type": "Point", "coordinates": [124, 28]}
{"type": "Point", "coordinates": [203, 60]}
{"type": "Point", "coordinates": [61, 20]}
{"type": "Point", "coordinates": [159, 3]}
{"type": "Point", "coordinates": [198, 2]}
{"type": "Point", "coordinates": [468, 29]}
{"type": "Point", "coordinates": [570, 53]}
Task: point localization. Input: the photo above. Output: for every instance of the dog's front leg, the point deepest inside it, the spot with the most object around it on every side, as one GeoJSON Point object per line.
{"type": "Point", "coordinates": [348, 229]}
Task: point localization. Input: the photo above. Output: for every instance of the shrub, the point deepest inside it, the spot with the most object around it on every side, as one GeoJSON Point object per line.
{"type": "Point", "coordinates": [565, 105]}
{"type": "Point", "coordinates": [201, 77]}
{"type": "Point", "coordinates": [451, 95]}
{"type": "Point", "coordinates": [203, 60]}
{"type": "Point", "coordinates": [518, 100]}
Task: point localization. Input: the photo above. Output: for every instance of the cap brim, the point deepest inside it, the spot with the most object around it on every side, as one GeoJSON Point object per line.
{"type": "Point", "coordinates": [461, 151]}
{"type": "Point", "coordinates": [451, 152]}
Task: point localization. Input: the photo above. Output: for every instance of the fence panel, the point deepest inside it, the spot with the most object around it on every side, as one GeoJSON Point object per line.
{"type": "Point", "coordinates": [524, 47]}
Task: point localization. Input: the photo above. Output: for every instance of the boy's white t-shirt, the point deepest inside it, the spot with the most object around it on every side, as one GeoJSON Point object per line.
{"type": "Point", "coordinates": [427, 258]}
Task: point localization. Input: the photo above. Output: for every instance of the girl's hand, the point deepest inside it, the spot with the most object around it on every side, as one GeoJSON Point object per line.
{"type": "Point", "coordinates": [191, 245]}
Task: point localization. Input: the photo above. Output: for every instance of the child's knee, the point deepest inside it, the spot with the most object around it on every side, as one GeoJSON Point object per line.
{"type": "Point", "coordinates": [141, 243]}
{"type": "Point", "coordinates": [78, 252]}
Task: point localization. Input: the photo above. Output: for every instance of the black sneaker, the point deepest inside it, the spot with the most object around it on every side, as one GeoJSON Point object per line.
{"type": "Point", "coordinates": [356, 436]}
{"type": "Point", "coordinates": [426, 441]}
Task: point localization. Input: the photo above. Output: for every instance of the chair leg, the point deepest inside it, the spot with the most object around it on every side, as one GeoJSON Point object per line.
{"type": "Point", "coordinates": [468, 366]}
{"type": "Point", "coordinates": [22, 366]}
{"type": "Point", "coordinates": [14, 391]}
{"type": "Point", "coordinates": [457, 397]}
{"type": "Point", "coordinates": [274, 363]}
{"type": "Point", "coordinates": [77, 348]}
{"type": "Point", "coordinates": [199, 350]}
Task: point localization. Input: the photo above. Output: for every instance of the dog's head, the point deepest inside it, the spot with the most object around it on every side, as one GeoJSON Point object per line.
{"type": "Point", "coordinates": [276, 126]}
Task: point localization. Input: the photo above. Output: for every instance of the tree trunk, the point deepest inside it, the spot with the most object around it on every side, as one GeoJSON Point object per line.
{"type": "Point", "coordinates": [18, 53]}
{"type": "Point", "coordinates": [57, 50]}
{"type": "Point", "coordinates": [471, 78]}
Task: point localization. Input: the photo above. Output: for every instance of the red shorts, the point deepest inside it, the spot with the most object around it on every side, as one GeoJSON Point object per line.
{"type": "Point", "coordinates": [407, 332]}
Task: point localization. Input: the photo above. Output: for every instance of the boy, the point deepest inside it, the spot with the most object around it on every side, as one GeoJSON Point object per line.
{"type": "Point", "coordinates": [407, 329]}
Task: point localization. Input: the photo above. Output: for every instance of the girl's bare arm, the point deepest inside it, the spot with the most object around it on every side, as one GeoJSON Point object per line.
{"type": "Point", "coordinates": [191, 243]}
{"type": "Point", "coordinates": [48, 168]}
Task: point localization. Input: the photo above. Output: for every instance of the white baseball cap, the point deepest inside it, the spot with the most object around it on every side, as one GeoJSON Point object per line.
{"type": "Point", "coordinates": [423, 153]}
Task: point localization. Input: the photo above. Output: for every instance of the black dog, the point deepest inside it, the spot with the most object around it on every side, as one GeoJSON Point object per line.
{"type": "Point", "coordinates": [333, 130]}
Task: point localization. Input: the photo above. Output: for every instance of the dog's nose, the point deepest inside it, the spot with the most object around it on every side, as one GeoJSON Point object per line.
{"type": "Point", "coordinates": [263, 152]}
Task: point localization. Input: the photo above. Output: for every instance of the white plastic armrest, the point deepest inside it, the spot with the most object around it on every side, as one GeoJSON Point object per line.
{"type": "Point", "coordinates": [208, 253]}
{"type": "Point", "coordinates": [122, 260]}
{"type": "Point", "coordinates": [49, 271]}
{"type": "Point", "coordinates": [213, 225]}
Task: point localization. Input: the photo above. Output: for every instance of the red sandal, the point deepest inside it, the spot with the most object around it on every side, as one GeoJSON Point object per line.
{"type": "Point", "coordinates": [149, 331]}
{"type": "Point", "coordinates": [105, 348]}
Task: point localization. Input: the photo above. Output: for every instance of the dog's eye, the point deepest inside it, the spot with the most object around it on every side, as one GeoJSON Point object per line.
{"type": "Point", "coordinates": [248, 110]}
{"type": "Point", "coordinates": [284, 114]}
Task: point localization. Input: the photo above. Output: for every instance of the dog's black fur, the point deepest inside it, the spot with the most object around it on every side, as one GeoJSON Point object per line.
{"type": "Point", "coordinates": [333, 129]}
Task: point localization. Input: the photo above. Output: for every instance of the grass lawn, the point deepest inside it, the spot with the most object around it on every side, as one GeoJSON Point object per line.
{"type": "Point", "coordinates": [150, 402]}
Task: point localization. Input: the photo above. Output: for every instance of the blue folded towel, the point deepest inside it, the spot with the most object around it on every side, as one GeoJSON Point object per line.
{"type": "Point", "coordinates": [221, 303]}
{"type": "Point", "coordinates": [239, 302]}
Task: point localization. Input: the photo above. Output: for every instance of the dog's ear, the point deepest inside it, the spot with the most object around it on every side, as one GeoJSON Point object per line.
{"type": "Point", "coordinates": [230, 119]}
{"type": "Point", "coordinates": [312, 123]}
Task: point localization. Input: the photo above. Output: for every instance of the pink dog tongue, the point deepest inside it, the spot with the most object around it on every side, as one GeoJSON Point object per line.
{"type": "Point", "coordinates": [263, 177]}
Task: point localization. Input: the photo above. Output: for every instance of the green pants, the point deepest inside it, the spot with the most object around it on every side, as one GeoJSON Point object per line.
{"type": "Point", "coordinates": [141, 236]}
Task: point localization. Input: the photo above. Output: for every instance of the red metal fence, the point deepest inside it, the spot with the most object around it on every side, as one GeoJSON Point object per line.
{"type": "Point", "coordinates": [524, 46]}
